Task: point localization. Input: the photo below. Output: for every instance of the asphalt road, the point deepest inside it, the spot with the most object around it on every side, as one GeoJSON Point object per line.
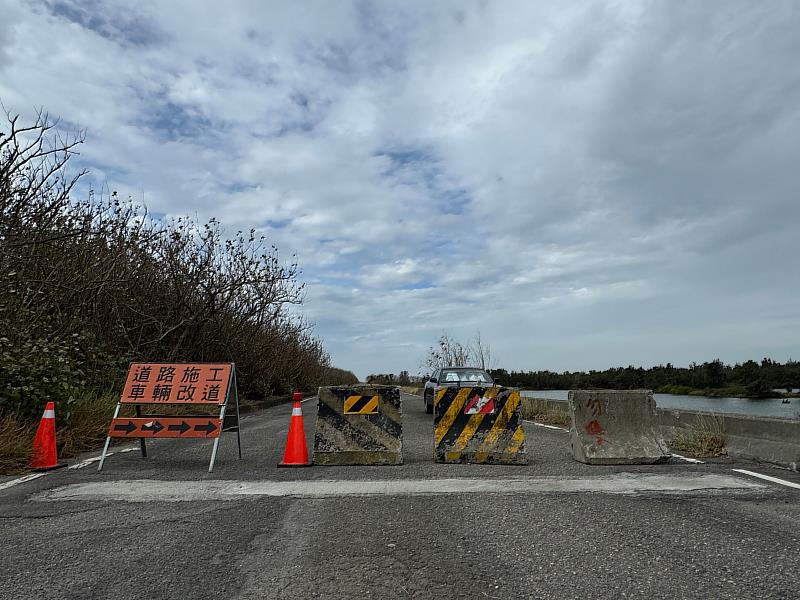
{"type": "Point", "coordinates": [162, 527]}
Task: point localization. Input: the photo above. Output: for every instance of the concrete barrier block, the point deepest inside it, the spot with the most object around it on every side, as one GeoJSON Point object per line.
{"type": "Point", "coordinates": [615, 428]}
{"type": "Point", "coordinates": [478, 425]}
{"type": "Point", "coordinates": [359, 425]}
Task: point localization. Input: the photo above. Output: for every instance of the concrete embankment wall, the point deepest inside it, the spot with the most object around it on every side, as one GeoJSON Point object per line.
{"type": "Point", "coordinates": [762, 438]}
{"type": "Point", "coordinates": [771, 440]}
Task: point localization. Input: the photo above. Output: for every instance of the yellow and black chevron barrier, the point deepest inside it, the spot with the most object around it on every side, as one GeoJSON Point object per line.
{"type": "Point", "coordinates": [361, 405]}
{"type": "Point", "coordinates": [478, 425]}
{"type": "Point", "coordinates": [359, 425]}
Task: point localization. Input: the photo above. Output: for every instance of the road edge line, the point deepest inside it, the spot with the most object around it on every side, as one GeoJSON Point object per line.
{"type": "Point", "coordinates": [790, 484]}
{"type": "Point", "coordinates": [546, 426]}
{"type": "Point", "coordinates": [94, 459]}
{"type": "Point", "coordinates": [80, 465]}
{"type": "Point", "coordinates": [687, 459]}
{"type": "Point", "coordinates": [29, 477]}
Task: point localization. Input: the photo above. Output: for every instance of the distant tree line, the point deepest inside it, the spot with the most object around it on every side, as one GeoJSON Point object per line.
{"type": "Point", "coordinates": [403, 379]}
{"type": "Point", "coordinates": [87, 285]}
{"type": "Point", "coordinates": [747, 378]}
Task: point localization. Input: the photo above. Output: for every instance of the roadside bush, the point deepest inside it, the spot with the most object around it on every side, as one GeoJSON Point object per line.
{"type": "Point", "coordinates": [36, 368]}
{"type": "Point", "coordinates": [334, 376]}
{"type": "Point", "coordinates": [90, 284]}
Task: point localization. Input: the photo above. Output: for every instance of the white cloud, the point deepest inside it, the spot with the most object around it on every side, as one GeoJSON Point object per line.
{"type": "Point", "coordinates": [591, 185]}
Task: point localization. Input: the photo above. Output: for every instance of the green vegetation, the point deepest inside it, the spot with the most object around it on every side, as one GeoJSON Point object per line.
{"type": "Point", "coordinates": [749, 379]}
{"type": "Point", "coordinates": [403, 379]}
{"type": "Point", "coordinates": [88, 285]}
{"type": "Point", "coordinates": [731, 391]}
{"type": "Point", "coordinates": [704, 439]}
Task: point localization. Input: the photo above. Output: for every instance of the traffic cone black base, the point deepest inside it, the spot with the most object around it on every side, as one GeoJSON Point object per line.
{"type": "Point", "coordinates": [53, 468]}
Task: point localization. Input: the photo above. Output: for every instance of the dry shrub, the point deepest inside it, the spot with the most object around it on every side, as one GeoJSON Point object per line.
{"type": "Point", "coordinates": [542, 411]}
{"type": "Point", "coordinates": [87, 424]}
{"type": "Point", "coordinates": [15, 444]}
{"type": "Point", "coordinates": [416, 391]}
{"type": "Point", "coordinates": [705, 438]}
{"type": "Point", "coordinates": [87, 285]}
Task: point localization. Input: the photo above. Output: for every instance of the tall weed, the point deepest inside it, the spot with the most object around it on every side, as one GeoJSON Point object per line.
{"type": "Point", "coordinates": [542, 411]}
{"type": "Point", "coordinates": [15, 444]}
{"type": "Point", "coordinates": [705, 438]}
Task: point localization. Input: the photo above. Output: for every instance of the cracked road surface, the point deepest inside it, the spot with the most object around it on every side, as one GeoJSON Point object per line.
{"type": "Point", "coordinates": [162, 527]}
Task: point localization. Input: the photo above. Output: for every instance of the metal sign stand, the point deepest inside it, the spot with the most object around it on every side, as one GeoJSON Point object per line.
{"type": "Point", "coordinates": [231, 427]}
{"type": "Point", "coordinates": [231, 424]}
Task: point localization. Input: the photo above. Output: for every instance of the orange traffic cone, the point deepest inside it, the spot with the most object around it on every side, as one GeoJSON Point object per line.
{"type": "Point", "coordinates": [295, 453]}
{"type": "Point", "coordinates": [44, 456]}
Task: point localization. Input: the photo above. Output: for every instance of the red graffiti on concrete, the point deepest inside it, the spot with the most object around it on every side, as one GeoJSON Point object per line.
{"type": "Point", "coordinates": [593, 427]}
{"type": "Point", "coordinates": [595, 405]}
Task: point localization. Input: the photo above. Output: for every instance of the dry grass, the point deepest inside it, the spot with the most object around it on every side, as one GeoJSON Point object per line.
{"type": "Point", "coordinates": [85, 429]}
{"type": "Point", "coordinates": [87, 425]}
{"type": "Point", "coordinates": [15, 444]}
{"type": "Point", "coordinates": [417, 391]}
{"type": "Point", "coordinates": [703, 439]}
{"type": "Point", "coordinates": [245, 405]}
{"type": "Point", "coordinates": [542, 411]}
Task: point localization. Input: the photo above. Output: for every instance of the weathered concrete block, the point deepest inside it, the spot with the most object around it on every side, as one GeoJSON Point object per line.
{"type": "Point", "coordinates": [615, 428]}
{"type": "Point", "coordinates": [359, 425]}
{"type": "Point", "coordinates": [478, 425]}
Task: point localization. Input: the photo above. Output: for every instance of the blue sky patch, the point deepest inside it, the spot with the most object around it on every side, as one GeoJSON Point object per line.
{"type": "Point", "coordinates": [122, 28]}
{"type": "Point", "coordinates": [171, 121]}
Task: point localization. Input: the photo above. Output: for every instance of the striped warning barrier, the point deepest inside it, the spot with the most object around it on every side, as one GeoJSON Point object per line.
{"type": "Point", "coordinates": [478, 425]}
{"type": "Point", "coordinates": [358, 425]}
{"type": "Point", "coordinates": [361, 405]}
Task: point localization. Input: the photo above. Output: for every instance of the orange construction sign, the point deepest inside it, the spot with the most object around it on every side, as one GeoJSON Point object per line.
{"type": "Point", "coordinates": [166, 427]}
{"type": "Point", "coordinates": [178, 384]}
{"type": "Point", "coordinates": [168, 383]}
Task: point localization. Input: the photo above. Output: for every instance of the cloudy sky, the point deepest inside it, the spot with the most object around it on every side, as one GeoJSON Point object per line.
{"type": "Point", "coordinates": [608, 184]}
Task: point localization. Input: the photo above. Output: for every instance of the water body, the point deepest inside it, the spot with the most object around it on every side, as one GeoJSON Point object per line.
{"type": "Point", "coordinates": [772, 407]}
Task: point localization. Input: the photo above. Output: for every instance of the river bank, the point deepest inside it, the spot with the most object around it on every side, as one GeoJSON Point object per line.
{"type": "Point", "coordinates": [726, 392]}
